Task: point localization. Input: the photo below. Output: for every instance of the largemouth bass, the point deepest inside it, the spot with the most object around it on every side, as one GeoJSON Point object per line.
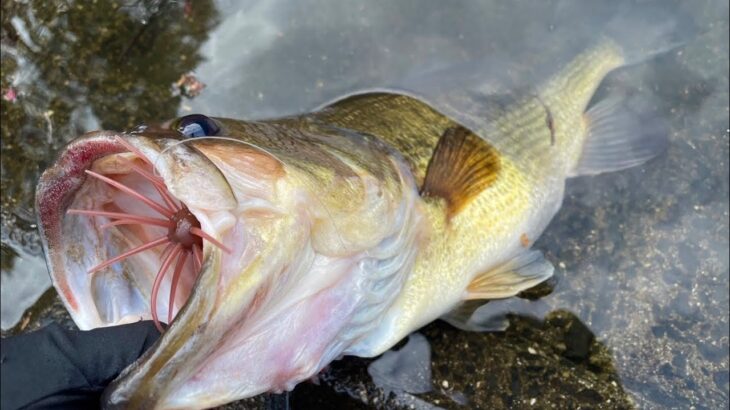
{"type": "Point", "coordinates": [274, 247]}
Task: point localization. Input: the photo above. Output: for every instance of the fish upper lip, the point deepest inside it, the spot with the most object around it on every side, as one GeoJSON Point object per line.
{"type": "Point", "coordinates": [185, 171]}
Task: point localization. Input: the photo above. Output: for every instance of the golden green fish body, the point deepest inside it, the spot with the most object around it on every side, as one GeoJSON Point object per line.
{"type": "Point", "coordinates": [538, 141]}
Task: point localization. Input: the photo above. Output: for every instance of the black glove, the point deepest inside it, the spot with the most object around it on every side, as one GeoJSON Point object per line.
{"type": "Point", "coordinates": [58, 368]}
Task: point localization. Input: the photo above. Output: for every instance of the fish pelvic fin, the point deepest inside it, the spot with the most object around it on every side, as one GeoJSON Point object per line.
{"type": "Point", "coordinates": [618, 137]}
{"type": "Point", "coordinates": [462, 166]}
{"type": "Point", "coordinates": [522, 272]}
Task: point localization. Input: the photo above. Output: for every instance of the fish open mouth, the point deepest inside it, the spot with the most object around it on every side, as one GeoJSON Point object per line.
{"type": "Point", "coordinates": [182, 243]}
{"type": "Point", "coordinates": [123, 247]}
{"type": "Point", "coordinates": [265, 270]}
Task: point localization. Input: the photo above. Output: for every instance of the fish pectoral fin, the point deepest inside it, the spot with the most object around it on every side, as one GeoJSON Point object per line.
{"type": "Point", "coordinates": [462, 166]}
{"type": "Point", "coordinates": [618, 137]}
{"type": "Point", "coordinates": [526, 270]}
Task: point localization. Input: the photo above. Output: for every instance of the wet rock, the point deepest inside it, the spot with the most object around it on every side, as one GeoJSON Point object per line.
{"type": "Point", "coordinates": [46, 310]}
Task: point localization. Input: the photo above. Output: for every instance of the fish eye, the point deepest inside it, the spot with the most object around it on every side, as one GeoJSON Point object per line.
{"type": "Point", "coordinates": [197, 125]}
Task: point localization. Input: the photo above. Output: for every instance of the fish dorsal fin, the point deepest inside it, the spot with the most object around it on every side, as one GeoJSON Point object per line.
{"type": "Point", "coordinates": [522, 272]}
{"type": "Point", "coordinates": [461, 167]}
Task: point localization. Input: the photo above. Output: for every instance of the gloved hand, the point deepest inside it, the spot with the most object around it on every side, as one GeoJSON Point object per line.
{"type": "Point", "coordinates": [58, 368]}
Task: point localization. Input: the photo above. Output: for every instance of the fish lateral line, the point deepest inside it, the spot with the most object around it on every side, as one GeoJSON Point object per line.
{"type": "Point", "coordinates": [549, 120]}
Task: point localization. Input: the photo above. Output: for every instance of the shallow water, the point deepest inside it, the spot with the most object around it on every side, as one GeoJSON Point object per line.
{"type": "Point", "coordinates": [638, 314]}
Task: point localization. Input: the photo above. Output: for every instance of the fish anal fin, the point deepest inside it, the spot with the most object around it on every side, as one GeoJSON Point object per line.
{"type": "Point", "coordinates": [463, 317]}
{"type": "Point", "coordinates": [619, 137]}
{"type": "Point", "coordinates": [524, 271]}
{"type": "Point", "coordinates": [461, 167]}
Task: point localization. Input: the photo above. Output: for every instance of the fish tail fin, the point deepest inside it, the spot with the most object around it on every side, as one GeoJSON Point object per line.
{"type": "Point", "coordinates": [620, 135]}
{"type": "Point", "coordinates": [643, 32]}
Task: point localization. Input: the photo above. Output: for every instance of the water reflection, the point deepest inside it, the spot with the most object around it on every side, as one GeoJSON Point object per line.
{"type": "Point", "coordinates": [72, 67]}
